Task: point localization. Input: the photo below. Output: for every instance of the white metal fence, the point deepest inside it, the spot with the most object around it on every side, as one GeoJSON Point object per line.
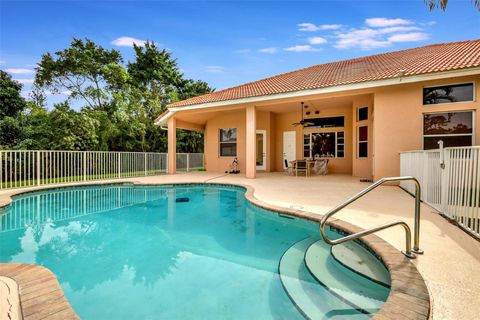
{"type": "Point", "coordinates": [450, 180]}
{"type": "Point", "coordinates": [24, 168]}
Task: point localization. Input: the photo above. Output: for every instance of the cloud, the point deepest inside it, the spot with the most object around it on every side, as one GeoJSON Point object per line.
{"type": "Point", "coordinates": [215, 69]}
{"type": "Point", "coordinates": [317, 40]}
{"type": "Point", "coordinates": [66, 93]}
{"type": "Point", "coordinates": [268, 50]}
{"type": "Point", "coordinates": [24, 81]}
{"type": "Point", "coordinates": [19, 71]}
{"type": "Point", "coordinates": [385, 22]}
{"type": "Point", "coordinates": [368, 38]}
{"type": "Point", "coordinates": [310, 27]}
{"type": "Point", "coordinates": [301, 48]}
{"type": "Point", "coordinates": [128, 42]}
{"type": "Point", "coordinates": [408, 37]}
{"type": "Point", "coordinates": [2, 61]}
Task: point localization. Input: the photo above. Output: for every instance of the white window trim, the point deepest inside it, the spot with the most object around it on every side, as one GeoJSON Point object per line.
{"type": "Point", "coordinates": [220, 143]}
{"type": "Point", "coordinates": [473, 112]}
{"type": "Point", "coordinates": [362, 141]}
{"type": "Point", "coordinates": [451, 84]}
{"type": "Point", "coordinates": [310, 133]}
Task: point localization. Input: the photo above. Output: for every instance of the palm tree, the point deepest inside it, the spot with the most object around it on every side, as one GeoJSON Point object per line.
{"type": "Point", "coordinates": [442, 4]}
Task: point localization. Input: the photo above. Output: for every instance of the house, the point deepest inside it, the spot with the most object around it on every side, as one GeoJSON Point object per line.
{"type": "Point", "coordinates": [358, 113]}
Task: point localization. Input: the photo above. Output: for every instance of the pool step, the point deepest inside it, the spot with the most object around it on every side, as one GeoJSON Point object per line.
{"type": "Point", "coordinates": [358, 259]}
{"type": "Point", "coordinates": [357, 290]}
{"type": "Point", "coordinates": [312, 299]}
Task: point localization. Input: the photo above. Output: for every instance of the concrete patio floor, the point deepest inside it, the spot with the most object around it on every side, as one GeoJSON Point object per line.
{"type": "Point", "coordinates": [450, 265]}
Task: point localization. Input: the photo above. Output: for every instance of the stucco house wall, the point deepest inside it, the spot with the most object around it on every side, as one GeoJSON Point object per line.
{"type": "Point", "coordinates": [398, 121]}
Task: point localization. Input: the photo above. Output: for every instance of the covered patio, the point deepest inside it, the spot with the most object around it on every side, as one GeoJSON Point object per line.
{"type": "Point", "coordinates": [262, 136]}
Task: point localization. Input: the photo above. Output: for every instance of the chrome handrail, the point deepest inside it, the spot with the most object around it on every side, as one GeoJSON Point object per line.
{"type": "Point", "coordinates": [409, 252]}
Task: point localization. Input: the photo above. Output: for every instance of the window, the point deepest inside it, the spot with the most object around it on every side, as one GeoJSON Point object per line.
{"type": "Point", "coordinates": [362, 113]}
{"type": "Point", "coordinates": [362, 138]}
{"type": "Point", "coordinates": [324, 145]}
{"type": "Point", "coordinates": [448, 94]}
{"type": "Point", "coordinates": [455, 129]}
{"type": "Point", "coordinates": [228, 142]}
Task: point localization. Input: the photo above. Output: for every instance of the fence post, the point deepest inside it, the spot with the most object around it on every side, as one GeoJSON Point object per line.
{"type": "Point", "coordinates": [145, 163]}
{"type": "Point", "coordinates": [84, 166]}
{"type": "Point", "coordinates": [118, 164]}
{"type": "Point", "coordinates": [38, 168]}
{"type": "Point", "coordinates": [188, 162]}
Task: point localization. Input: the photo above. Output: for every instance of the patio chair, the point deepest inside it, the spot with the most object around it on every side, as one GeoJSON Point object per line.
{"type": "Point", "coordinates": [301, 166]}
{"type": "Point", "coordinates": [288, 168]}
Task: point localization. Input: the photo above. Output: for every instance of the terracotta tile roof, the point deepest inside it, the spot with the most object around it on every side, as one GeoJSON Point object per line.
{"type": "Point", "coordinates": [416, 61]}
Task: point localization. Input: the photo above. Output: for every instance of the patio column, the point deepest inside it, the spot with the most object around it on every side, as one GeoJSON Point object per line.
{"type": "Point", "coordinates": [172, 146]}
{"type": "Point", "coordinates": [251, 127]}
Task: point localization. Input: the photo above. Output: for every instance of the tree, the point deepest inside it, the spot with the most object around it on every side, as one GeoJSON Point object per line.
{"type": "Point", "coordinates": [85, 70]}
{"type": "Point", "coordinates": [11, 105]}
{"type": "Point", "coordinates": [11, 100]}
{"type": "Point", "coordinates": [442, 4]}
{"type": "Point", "coordinates": [158, 81]}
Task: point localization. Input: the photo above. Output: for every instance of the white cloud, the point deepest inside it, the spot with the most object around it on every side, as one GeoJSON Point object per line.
{"type": "Point", "coordinates": [24, 81]}
{"type": "Point", "coordinates": [317, 40]}
{"type": "Point", "coordinates": [408, 37]}
{"type": "Point", "coordinates": [20, 71]}
{"type": "Point", "coordinates": [368, 38]}
{"type": "Point", "coordinates": [268, 50]}
{"type": "Point", "coordinates": [128, 42]}
{"type": "Point", "coordinates": [2, 61]}
{"type": "Point", "coordinates": [215, 69]}
{"type": "Point", "coordinates": [301, 48]}
{"type": "Point", "coordinates": [385, 22]}
{"type": "Point", "coordinates": [397, 29]}
{"type": "Point", "coordinates": [66, 93]}
{"type": "Point", "coordinates": [310, 27]}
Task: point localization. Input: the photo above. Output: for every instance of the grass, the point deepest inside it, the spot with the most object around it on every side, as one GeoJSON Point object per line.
{"type": "Point", "coordinates": [80, 178]}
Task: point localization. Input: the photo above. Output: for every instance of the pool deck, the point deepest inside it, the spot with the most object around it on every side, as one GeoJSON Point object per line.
{"type": "Point", "coordinates": [451, 263]}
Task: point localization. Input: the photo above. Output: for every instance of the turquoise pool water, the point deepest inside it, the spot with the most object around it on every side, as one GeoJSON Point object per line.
{"type": "Point", "coordinates": [130, 252]}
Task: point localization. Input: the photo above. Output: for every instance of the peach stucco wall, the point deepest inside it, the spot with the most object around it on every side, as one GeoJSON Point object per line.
{"type": "Point", "coordinates": [231, 119]}
{"type": "Point", "coordinates": [399, 123]}
{"type": "Point", "coordinates": [395, 124]}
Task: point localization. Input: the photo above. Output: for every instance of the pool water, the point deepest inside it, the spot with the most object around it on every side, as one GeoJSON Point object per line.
{"type": "Point", "coordinates": [130, 252]}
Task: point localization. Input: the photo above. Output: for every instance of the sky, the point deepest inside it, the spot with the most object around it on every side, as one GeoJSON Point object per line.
{"type": "Point", "coordinates": [227, 43]}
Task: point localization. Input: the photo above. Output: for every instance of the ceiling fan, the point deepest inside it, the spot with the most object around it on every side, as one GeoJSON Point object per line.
{"type": "Point", "coordinates": [303, 122]}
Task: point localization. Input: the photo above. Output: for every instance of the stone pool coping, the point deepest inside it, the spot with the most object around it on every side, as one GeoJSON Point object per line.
{"type": "Point", "coordinates": [408, 299]}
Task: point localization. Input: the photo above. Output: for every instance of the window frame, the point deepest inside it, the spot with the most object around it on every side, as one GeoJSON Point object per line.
{"type": "Point", "coordinates": [310, 147]}
{"type": "Point", "coordinates": [358, 113]}
{"type": "Point", "coordinates": [474, 96]}
{"type": "Point", "coordinates": [472, 134]}
{"type": "Point", "coordinates": [220, 142]}
{"type": "Point", "coordinates": [362, 141]}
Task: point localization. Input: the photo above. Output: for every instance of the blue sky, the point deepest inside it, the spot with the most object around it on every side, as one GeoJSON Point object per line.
{"type": "Point", "coordinates": [230, 42]}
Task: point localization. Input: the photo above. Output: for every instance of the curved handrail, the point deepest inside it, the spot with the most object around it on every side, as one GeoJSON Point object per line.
{"type": "Point", "coordinates": [409, 252]}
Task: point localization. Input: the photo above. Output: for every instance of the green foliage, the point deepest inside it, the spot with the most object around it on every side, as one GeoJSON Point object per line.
{"type": "Point", "coordinates": [118, 105]}
{"type": "Point", "coordinates": [11, 101]}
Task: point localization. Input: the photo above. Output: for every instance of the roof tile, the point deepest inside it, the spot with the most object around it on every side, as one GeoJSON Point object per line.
{"type": "Point", "coordinates": [416, 61]}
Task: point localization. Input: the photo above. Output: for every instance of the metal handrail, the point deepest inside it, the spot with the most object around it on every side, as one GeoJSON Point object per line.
{"type": "Point", "coordinates": [409, 252]}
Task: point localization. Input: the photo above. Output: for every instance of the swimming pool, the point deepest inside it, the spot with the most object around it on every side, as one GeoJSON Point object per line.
{"type": "Point", "coordinates": [187, 252]}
